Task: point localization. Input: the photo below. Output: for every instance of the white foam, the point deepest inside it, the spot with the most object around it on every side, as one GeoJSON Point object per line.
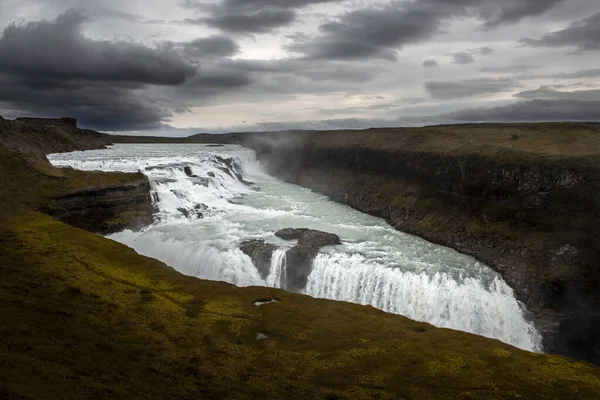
{"type": "Point", "coordinates": [439, 298]}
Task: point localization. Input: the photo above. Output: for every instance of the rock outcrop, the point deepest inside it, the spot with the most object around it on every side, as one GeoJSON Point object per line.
{"type": "Point", "coordinates": [261, 253]}
{"type": "Point", "coordinates": [527, 204]}
{"type": "Point", "coordinates": [105, 209]}
{"type": "Point", "coordinates": [298, 259]}
{"type": "Point", "coordinates": [98, 202]}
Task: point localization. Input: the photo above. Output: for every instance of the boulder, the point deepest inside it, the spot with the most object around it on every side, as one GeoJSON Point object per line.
{"type": "Point", "coordinates": [300, 257]}
{"type": "Point", "coordinates": [260, 252]}
{"type": "Point", "coordinates": [188, 171]}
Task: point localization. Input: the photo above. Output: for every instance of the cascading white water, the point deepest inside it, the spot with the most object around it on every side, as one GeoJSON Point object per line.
{"type": "Point", "coordinates": [277, 272]}
{"type": "Point", "coordinates": [485, 309]}
{"type": "Point", "coordinates": [206, 210]}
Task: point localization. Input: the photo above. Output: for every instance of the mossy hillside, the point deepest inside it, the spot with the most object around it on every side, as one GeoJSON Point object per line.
{"type": "Point", "coordinates": [85, 317]}
{"type": "Point", "coordinates": [503, 142]}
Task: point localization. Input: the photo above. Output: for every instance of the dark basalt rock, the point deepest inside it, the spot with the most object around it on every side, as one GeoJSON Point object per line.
{"type": "Point", "coordinates": [260, 252]}
{"type": "Point", "coordinates": [188, 171]}
{"type": "Point", "coordinates": [300, 257]}
{"type": "Point", "coordinates": [105, 209]}
{"type": "Point", "coordinates": [298, 262]}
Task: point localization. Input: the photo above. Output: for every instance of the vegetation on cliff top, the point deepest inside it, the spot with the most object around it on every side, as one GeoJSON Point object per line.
{"type": "Point", "coordinates": [505, 142]}
{"type": "Point", "coordinates": [85, 317]}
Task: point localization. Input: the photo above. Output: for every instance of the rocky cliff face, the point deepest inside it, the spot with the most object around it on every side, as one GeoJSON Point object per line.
{"type": "Point", "coordinates": [98, 202]}
{"type": "Point", "coordinates": [298, 259]}
{"type": "Point", "coordinates": [532, 215]}
{"type": "Point", "coordinates": [105, 209]}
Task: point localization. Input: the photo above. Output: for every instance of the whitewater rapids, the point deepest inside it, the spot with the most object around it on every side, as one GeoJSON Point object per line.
{"type": "Point", "coordinates": [211, 199]}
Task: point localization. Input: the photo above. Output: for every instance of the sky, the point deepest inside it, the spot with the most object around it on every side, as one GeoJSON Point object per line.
{"type": "Point", "coordinates": [181, 67]}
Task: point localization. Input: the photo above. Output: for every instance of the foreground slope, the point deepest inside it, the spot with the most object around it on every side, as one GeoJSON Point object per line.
{"type": "Point", "coordinates": [85, 317]}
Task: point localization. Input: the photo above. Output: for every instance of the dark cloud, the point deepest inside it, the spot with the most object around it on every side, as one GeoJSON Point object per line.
{"type": "Point", "coordinates": [531, 111]}
{"type": "Point", "coordinates": [462, 58]}
{"type": "Point", "coordinates": [218, 46]}
{"type": "Point", "coordinates": [262, 21]}
{"type": "Point", "coordinates": [485, 51]}
{"type": "Point", "coordinates": [381, 30]}
{"type": "Point", "coordinates": [550, 93]}
{"type": "Point", "coordinates": [97, 105]}
{"type": "Point", "coordinates": [583, 35]}
{"type": "Point", "coordinates": [505, 12]}
{"type": "Point", "coordinates": [58, 50]}
{"type": "Point", "coordinates": [469, 87]}
{"type": "Point", "coordinates": [249, 16]}
{"type": "Point", "coordinates": [49, 68]}
{"type": "Point", "coordinates": [371, 32]}
{"type": "Point", "coordinates": [430, 63]}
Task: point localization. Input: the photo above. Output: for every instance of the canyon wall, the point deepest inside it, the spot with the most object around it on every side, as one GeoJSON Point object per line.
{"type": "Point", "coordinates": [98, 202]}
{"type": "Point", "coordinates": [524, 199]}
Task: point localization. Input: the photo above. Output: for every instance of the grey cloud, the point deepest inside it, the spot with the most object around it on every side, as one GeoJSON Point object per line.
{"type": "Point", "coordinates": [57, 49]}
{"type": "Point", "coordinates": [467, 56]}
{"type": "Point", "coordinates": [371, 32]}
{"type": "Point", "coordinates": [218, 46]}
{"type": "Point", "coordinates": [462, 58]}
{"type": "Point", "coordinates": [513, 11]}
{"type": "Point", "coordinates": [588, 73]}
{"type": "Point", "coordinates": [379, 31]}
{"type": "Point", "coordinates": [485, 51]}
{"type": "Point", "coordinates": [531, 111]}
{"type": "Point", "coordinates": [249, 16]}
{"type": "Point", "coordinates": [550, 93]}
{"type": "Point", "coordinates": [509, 68]}
{"type": "Point", "coordinates": [583, 35]}
{"type": "Point", "coordinates": [430, 63]}
{"type": "Point", "coordinates": [468, 87]}
{"type": "Point", "coordinates": [261, 21]}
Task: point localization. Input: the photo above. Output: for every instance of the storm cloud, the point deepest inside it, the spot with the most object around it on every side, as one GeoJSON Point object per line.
{"type": "Point", "coordinates": [249, 16]}
{"type": "Point", "coordinates": [382, 30]}
{"type": "Point", "coordinates": [50, 68]}
{"type": "Point", "coordinates": [57, 49]}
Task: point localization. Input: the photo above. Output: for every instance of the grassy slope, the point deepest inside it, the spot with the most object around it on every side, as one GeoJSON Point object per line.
{"type": "Point", "coordinates": [84, 317]}
{"type": "Point", "coordinates": [544, 140]}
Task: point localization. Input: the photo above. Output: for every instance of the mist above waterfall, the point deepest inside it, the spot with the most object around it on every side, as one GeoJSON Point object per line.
{"type": "Point", "coordinates": [211, 200]}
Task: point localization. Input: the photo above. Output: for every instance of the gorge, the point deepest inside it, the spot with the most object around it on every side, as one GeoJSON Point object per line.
{"type": "Point", "coordinates": [207, 210]}
{"type": "Point", "coordinates": [84, 316]}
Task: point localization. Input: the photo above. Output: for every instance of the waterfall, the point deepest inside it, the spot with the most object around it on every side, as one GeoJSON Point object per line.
{"type": "Point", "coordinates": [276, 275]}
{"type": "Point", "coordinates": [210, 200]}
{"type": "Point", "coordinates": [438, 298]}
